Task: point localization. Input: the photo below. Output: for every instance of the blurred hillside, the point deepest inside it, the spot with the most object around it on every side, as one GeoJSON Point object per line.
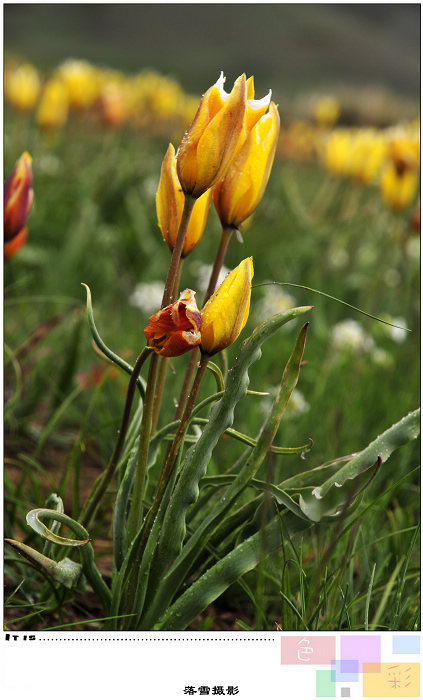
{"type": "Point", "coordinates": [289, 47]}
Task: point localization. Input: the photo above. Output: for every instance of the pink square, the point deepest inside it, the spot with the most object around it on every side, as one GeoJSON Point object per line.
{"type": "Point", "coordinates": [308, 650]}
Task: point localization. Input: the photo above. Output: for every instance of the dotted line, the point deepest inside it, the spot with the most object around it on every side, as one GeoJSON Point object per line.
{"type": "Point", "coordinates": [154, 639]}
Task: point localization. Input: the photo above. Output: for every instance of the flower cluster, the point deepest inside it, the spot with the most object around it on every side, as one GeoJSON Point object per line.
{"type": "Point", "coordinates": [226, 155]}
{"type": "Point", "coordinates": [146, 100]}
{"type": "Point", "coordinates": [390, 158]}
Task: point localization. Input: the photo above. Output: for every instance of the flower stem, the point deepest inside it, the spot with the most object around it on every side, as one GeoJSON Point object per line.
{"type": "Point", "coordinates": [164, 478]}
{"type": "Point", "coordinates": [101, 485]}
{"type": "Point", "coordinates": [164, 361]}
{"type": "Point", "coordinates": [135, 513]}
{"type": "Point", "coordinates": [169, 290]}
{"type": "Point", "coordinates": [226, 235]}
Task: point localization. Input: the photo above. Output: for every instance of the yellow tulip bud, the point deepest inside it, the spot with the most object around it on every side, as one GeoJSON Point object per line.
{"type": "Point", "coordinates": [240, 191]}
{"type": "Point", "coordinates": [398, 190]}
{"type": "Point", "coordinates": [170, 204]}
{"type": "Point", "coordinates": [18, 197]}
{"type": "Point", "coordinates": [226, 312]}
{"type": "Point", "coordinates": [210, 143]}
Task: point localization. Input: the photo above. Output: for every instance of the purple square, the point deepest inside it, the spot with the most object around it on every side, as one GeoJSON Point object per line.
{"type": "Point", "coordinates": [344, 671]}
{"type": "Point", "coordinates": [364, 648]}
{"type": "Point", "coordinates": [349, 666]}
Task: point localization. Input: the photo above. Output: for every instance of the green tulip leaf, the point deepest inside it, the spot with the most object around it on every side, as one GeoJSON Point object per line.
{"type": "Point", "coordinates": [346, 483]}
{"type": "Point", "coordinates": [66, 572]}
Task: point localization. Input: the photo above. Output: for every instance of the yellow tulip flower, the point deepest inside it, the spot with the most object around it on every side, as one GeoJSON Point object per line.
{"type": "Point", "coordinates": [239, 193]}
{"type": "Point", "coordinates": [326, 111]}
{"type": "Point", "coordinates": [81, 81]}
{"type": "Point", "coordinates": [210, 143]}
{"type": "Point", "coordinates": [398, 189]}
{"type": "Point", "coordinates": [170, 204]}
{"type": "Point", "coordinates": [22, 87]}
{"type": "Point", "coordinates": [336, 152]}
{"type": "Point", "coordinates": [52, 111]}
{"type": "Point", "coordinates": [368, 150]}
{"type": "Point", "coordinates": [226, 312]}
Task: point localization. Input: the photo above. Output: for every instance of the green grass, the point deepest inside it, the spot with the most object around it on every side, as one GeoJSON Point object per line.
{"type": "Point", "coordinates": [94, 221]}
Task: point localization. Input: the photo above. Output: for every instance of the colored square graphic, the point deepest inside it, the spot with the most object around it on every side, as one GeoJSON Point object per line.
{"type": "Point", "coordinates": [345, 693]}
{"type": "Point", "coordinates": [364, 648]}
{"type": "Point", "coordinates": [344, 671]}
{"type": "Point", "coordinates": [391, 680]}
{"type": "Point", "coordinates": [405, 644]}
{"type": "Point", "coordinates": [308, 650]}
{"type": "Point", "coordinates": [325, 687]}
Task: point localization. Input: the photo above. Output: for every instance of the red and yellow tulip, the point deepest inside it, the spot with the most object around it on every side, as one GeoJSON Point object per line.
{"type": "Point", "coordinates": [174, 330]}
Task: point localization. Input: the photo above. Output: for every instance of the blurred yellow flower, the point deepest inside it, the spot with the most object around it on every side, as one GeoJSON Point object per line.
{"type": "Point", "coordinates": [326, 111]}
{"type": "Point", "coordinates": [112, 104]}
{"type": "Point", "coordinates": [398, 190]}
{"type": "Point", "coordinates": [368, 151]}
{"type": "Point", "coordinates": [82, 82]}
{"type": "Point", "coordinates": [52, 111]}
{"type": "Point", "coordinates": [22, 87]}
{"type": "Point", "coordinates": [226, 312]}
{"type": "Point", "coordinates": [336, 152]}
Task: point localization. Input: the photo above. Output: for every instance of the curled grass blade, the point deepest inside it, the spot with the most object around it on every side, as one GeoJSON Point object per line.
{"type": "Point", "coordinates": [118, 361]}
{"type": "Point", "coordinates": [87, 553]}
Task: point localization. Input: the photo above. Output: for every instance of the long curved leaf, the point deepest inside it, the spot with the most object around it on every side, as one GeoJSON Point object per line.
{"type": "Point", "coordinates": [219, 577]}
{"type": "Point", "coordinates": [125, 366]}
{"type": "Point", "coordinates": [344, 485]}
{"type": "Point", "coordinates": [66, 572]}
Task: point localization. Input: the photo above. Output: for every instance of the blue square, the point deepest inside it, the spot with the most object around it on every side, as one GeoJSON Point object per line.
{"type": "Point", "coordinates": [406, 644]}
{"type": "Point", "coordinates": [344, 671]}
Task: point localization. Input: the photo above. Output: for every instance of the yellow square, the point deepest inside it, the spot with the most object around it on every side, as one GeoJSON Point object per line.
{"type": "Point", "coordinates": [391, 680]}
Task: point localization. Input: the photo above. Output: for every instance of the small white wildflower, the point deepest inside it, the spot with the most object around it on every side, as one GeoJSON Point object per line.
{"type": "Point", "coordinates": [266, 402]}
{"type": "Point", "coordinates": [297, 405]}
{"type": "Point", "coordinates": [274, 301]}
{"type": "Point", "coordinates": [150, 185]}
{"type": "Point", "coordinates": [392, 278]}
{"type": "Point", "coordinates": [48, 164]}
{"type": "Point", "coordinates": [397, 334]}
{"type": "Point", "coordinates": [381, 357]}
{"type": "Point", "coordinates": [338, 258]}
{"type": "Point", "coordinates": [367, 254]}
{"type": "Point", "coordinates": [412, 248]}
{"type": "Point", "coordinates": [349, 336]}
{"type": "Point", "coordinates": [147, 296]}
